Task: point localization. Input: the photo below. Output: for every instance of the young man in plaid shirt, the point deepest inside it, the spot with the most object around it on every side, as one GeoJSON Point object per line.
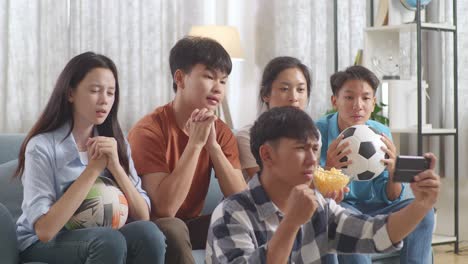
{"type": "Point", "coordinates": [280, 219]}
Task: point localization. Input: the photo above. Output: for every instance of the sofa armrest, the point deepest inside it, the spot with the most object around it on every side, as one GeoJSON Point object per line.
{"type": "Point", "coordinates": [11, 189]}
{"type": "Point", "coordinates": [8, 241]}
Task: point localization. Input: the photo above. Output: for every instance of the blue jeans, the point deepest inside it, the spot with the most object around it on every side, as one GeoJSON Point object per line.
{"type": "Point", "coordinates": [136, 242]}
{"type": "Point", "coordinates": [416, 246]}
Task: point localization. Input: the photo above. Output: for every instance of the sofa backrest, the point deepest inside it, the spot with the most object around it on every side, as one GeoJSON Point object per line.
{"type": "Point", "coordinates": [11, 190]}
{"type": "Point", "coordinates": [9, 146]}
{"type": "Point", "coordinates": [214, 196]}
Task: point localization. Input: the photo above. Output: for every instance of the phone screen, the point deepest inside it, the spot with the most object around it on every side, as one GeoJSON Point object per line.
{"type": "Point", "coordinates": [416, 163]}
{"type": "Point", "coordinates": [409, 166]}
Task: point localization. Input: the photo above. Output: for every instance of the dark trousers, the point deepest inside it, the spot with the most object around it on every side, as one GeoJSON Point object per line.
{"type": "Point", "coordinates": [183, 236]}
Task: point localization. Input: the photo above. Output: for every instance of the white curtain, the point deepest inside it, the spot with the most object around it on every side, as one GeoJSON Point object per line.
{"type": "Point", "coordinates": [39, 37]}
{"type": "Point", "coordinates": [299, 28]}
{"type": "Point", "coordinates": [463, 85]}
{"type": "Point", "coordinates": [441, 83]}
{"type": "Point", "coordinates": [439, 74]}
{"type": "Point", "coordinates": [438, 62]}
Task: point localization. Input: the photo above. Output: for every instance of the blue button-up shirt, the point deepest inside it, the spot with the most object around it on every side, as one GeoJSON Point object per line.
{"type": "Point", "coordinates": [369, 194]}
{"type": "Point", "coordinates": [242, 225]}
{"type": "Point", "coordinates": [52, 163]}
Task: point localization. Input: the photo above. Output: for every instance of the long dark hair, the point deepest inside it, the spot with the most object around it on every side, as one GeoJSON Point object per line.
{"type": "Point", "coordinates": [59, 110]}
{"type": "Point", "coordinates": [274, 68]}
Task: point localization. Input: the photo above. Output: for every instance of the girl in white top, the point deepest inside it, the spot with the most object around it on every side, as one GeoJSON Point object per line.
{"type": "Point", "coordinates": [285, 82]}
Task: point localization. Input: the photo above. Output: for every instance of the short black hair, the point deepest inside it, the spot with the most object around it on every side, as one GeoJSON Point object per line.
{"type": "Point", "coordinates": [338, 79]}
{"type": "Point", "coordinates": [189, 51]}
{"type": "Point", "coordinates": [275, 67]}
{"type": "Point", "coordinates": [281, 122]}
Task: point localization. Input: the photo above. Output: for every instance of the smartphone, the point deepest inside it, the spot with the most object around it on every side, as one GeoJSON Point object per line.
{"type": "Point", "coordinates": [409, 166]}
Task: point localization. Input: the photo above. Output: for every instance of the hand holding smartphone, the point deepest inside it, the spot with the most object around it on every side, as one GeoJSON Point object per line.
{"type": "Point", "coordinates": [409, 166]}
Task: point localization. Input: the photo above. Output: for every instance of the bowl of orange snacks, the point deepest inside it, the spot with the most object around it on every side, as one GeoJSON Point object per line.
{"type": "Point", "coordinates": [326, 181]}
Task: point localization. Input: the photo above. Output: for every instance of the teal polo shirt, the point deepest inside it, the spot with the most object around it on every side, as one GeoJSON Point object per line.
{"type": "Point", "coordinates": [362, 193]}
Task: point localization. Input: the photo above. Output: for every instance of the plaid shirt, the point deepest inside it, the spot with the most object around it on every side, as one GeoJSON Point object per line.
{"type": "Point", "coordinates": [242, 225]}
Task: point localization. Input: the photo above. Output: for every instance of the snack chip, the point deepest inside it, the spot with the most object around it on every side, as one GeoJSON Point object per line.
{"type": "Point", "coordinates": [329, 180]}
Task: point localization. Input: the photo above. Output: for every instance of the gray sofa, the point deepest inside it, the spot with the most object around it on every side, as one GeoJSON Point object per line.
{"type": "Point", "coordinates": [11, 194]}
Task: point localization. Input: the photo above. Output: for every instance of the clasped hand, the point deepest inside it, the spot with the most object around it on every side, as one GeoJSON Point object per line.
{"type": "Point", "coordinates": [102, 152]}
{"type": "Point", "coordinates": [201, 128]}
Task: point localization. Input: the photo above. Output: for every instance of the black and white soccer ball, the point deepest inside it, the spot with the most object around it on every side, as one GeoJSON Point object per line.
{"type": "Point", "coordinates": [365, 143]}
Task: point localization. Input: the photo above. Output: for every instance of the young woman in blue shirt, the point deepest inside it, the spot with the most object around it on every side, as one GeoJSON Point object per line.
{"type": "Point", "coordinates": [76, 140]}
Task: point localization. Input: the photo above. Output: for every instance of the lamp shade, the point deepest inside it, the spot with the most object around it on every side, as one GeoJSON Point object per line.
{"type": "Point", "coordinates": [227, 36]}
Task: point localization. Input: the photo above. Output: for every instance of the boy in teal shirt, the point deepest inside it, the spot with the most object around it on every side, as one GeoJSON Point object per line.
{"type": "Point", "coordinates": [354, 99]}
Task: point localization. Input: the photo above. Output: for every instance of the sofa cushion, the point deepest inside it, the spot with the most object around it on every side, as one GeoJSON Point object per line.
{"type": "Point", "coordinates": [11, 190]}
{"type": "Point", "coordinates": [213, 197]}
{"type": "Point", "coordinates": [199, 256]}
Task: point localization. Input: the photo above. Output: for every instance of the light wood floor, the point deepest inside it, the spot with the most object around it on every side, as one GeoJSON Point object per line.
{"type": "Point", "coordinates": [444, 254]}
